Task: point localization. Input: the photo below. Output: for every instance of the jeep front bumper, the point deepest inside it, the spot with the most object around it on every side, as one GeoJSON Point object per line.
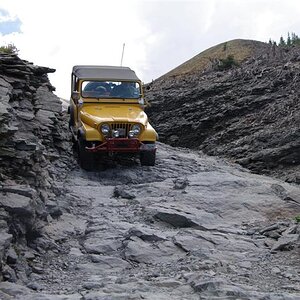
{"type": "Point", "coordinates": [130, 145]}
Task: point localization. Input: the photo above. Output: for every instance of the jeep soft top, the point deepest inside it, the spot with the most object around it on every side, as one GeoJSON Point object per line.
{"type": "Point", "coordinates": [104, 73]}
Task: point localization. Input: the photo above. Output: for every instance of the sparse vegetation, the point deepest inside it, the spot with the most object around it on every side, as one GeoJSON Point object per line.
{"type": "Point", "coordinates": [227, 63]}
{"type": "Point", "coordinates": [292, 39]}
{"type": "Point", "coordinates": [297, 219]}
{"type": "Point", "coordinates": [208, 60]}
{"type": "Point", "coordinates": [9, 49]}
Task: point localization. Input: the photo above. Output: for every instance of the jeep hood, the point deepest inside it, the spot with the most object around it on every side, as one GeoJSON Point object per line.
{"type": "Point", "coordinates": [94, 114]}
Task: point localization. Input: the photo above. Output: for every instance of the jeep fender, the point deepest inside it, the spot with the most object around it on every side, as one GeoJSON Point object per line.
{"type": "Point", "coordinates": [149, 134]}
{"type": "Point", "coordinates": [89, 133]}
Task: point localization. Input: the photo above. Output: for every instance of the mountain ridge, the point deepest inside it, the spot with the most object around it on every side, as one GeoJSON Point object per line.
{"type": "Point", "coordinates": [240, 49]}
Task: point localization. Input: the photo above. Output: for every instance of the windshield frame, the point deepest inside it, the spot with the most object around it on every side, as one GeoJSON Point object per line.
{"type": "Point", "coordinates": [110, 89]}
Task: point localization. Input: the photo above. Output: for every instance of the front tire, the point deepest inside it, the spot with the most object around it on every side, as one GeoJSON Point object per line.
{"type": "Point", "coordinates": [86, 158]}
{"type": "Point", "coordinates": [147, 158]}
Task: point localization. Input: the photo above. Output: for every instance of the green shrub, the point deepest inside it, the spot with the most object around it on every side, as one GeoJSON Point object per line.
{"type": "Point", "coordinates": [9, 49]}
{"type": "Point", "coordinates": [227, 63]}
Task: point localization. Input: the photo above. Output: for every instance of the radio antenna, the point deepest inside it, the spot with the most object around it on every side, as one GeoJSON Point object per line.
{"type": "Point", "coordinates": [122, 54]}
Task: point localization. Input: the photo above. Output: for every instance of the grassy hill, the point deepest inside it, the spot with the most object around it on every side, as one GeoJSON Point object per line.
{"type": "Point", "coordinates": [240, 49]}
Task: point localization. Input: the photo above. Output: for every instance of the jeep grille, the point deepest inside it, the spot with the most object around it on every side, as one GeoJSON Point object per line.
{"type": "Point", "coordinates": [125, 127]}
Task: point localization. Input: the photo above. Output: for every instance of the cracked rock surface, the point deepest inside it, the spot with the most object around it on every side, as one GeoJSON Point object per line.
{"type": "Point", "coordinates": [224, 234]}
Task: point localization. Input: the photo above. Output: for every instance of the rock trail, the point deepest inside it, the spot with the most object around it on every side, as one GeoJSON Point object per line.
{"type": "Point", "coordinates": [192, 227]}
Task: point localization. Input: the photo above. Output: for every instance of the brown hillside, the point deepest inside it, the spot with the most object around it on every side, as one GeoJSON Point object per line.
{"type": "Point", "coordinates": [239, 48]}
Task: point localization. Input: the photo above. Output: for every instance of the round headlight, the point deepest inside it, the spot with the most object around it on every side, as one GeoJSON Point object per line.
{"type": "Point", "coordinates": [136, 129]}
{"type": "Point", "coordinates": [105, 129]}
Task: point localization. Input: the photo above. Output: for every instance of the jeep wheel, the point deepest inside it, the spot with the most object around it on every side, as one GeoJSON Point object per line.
{"type": "Point", "coordinates": [86, 159]}
{"type": "Point", "coordinates": [147, 158]}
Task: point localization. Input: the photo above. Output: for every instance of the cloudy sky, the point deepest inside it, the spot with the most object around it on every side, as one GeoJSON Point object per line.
{"type": "Point", "coordinates": [158, 34]}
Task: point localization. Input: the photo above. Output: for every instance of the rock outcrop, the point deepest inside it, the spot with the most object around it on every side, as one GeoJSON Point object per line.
{"type": "Point", "coordinates": [34, 152]}
{"type": "Point", "coordinates": [248, 113]}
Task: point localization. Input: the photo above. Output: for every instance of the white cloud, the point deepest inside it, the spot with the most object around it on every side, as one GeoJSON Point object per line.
{"type": "Point", "coordinates": [159, 35]}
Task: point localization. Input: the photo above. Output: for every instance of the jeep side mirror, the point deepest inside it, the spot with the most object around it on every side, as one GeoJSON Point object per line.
{"type": "Point", "coordinates": [75, 96]}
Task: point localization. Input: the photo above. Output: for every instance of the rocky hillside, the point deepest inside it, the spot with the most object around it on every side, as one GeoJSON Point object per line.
{"type": "Point", "coordinates": [248, 113]}
{"type": "Point", "coordinates": [34, 152]}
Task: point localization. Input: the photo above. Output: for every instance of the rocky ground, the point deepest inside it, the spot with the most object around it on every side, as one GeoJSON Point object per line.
{"type": "Point", "coordinates": [249, 113]}
{"type": "Point", "coordinates": [192, 227]}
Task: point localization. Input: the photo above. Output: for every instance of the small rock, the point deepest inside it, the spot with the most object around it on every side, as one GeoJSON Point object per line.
{"type": "Point", "coordinates": [9, 274]}
{"type": "Point", "coordinates": [269, 228]}
{"type": "Point", "coordinates": [119, 192]}
{"type": "Point", "coordinates": [92, 285]}
{"type": "Point", "coordinates": [38, 270]}
{"type": "Point", "coordinates": [17, 204]}
{"type": "Point", "coordinates": [286, 242]}
{"type": "Point", "coordinates": [275, 270]}
{"type": "Point", "coordinates": [12, 256]}
{"type": "Point", "coordinates": [245, 264]}
{"type": "Point", "coordinates": [34, 286]}
{"type": "Point", "coordinates": [180, 184]}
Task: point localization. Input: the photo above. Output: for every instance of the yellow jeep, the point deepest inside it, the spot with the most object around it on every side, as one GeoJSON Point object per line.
{"type": "Point", "coordinates": [107, 115]}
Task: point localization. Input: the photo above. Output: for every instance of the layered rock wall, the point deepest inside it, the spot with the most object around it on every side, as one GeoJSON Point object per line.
{"type": "Point", "coordinates": [249, 113]}
{"type": "Point", "coordinates": [34, 151]}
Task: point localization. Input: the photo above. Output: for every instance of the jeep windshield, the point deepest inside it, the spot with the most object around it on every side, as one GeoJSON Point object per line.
{"type": "Point", "coordinates": [111, 89]}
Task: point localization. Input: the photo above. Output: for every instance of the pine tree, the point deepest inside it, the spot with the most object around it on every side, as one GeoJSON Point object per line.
{"type": "Point", "coordinates": [289, 41]}
{"type": "Point", "coordinates": [295, 39]}
{"type": "Point", "coordinates": [282, 42]}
